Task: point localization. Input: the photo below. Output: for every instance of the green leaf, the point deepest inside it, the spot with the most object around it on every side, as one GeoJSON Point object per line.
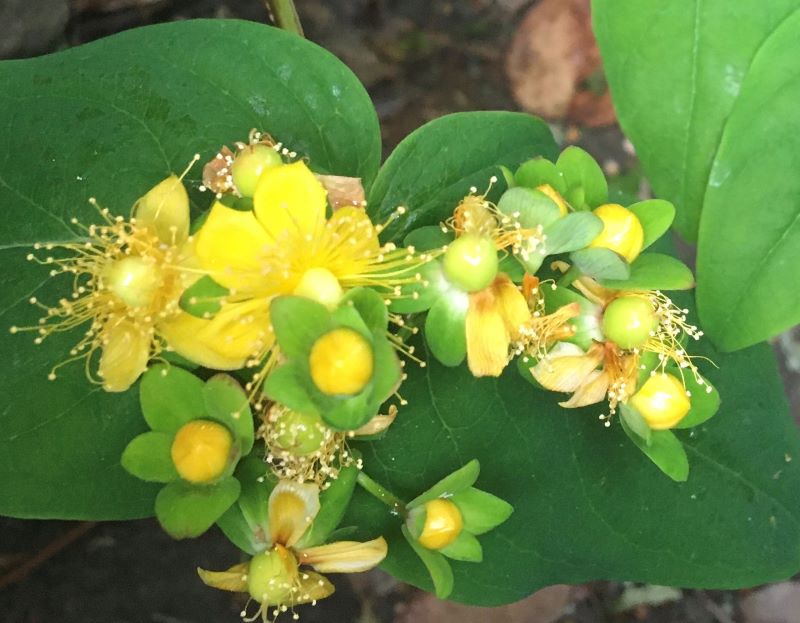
{"type": "Point", "coordinates": [110, 120]}
{"type": "Point", "coordinates": [582, 173]}
{"type": "Point", "coordinates": [678, 72]}
{"type": "Point", "coordinates": [655, 215]}
{"type": "Point", "coordinates": [531, 207]}
{"type": "Point", "coordinates": [601, 263]}
{"type": "Point", "coordinates": [186, 511]}
{"type": "Point", "coordinates": [664, 449]}
{"type": "Point", "coordinates": [246, 523]}
{"type": "Point", "coordinates": [466, 547]}
{"type": "Point", "coordinates": [298, 322]}
{"type": "Point", "coordinates": [148, 457]}
{"type": "Point", "coordinates": [226, 402]}
{"type": "Point", "coordinates": [170, 397]}
{"type": "Point", "coordinates": [572, 232]}
{"type": "Point", "coordinates": [439, 569]}
{"type": "Point", "coordinates": [705, 404]}
{"type": "Point", "coordinates": [203, 297]}
{"type": "Point", "coordinates": [428, 238]}
{"type": "Point", "coordinates": [451, 484]}
{"type": "Point", "coordinates": [433, 168]}
{"type": "Point", "coordinates": [538, 171]}
{"type": "Point", "coordinates": [332, 506]}
{"type": "Point", "coordinates": [654, 271]}
{"type": "Point", "coordinates": [481, 511]}
{"type": "Point", "coordinates": [748, 262]}
{"type": "Point", "coordinates": [445, 330]}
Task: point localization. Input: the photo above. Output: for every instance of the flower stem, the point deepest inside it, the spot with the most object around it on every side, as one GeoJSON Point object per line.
{"type": "Point", "coordinates": [568, 277]}
{"type": "Point", "coordinates": [284, 15]}
{"type": "Point", "coordinates": [378, 491]}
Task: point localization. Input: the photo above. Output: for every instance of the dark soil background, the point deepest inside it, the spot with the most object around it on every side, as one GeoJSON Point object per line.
{"type": "Point", "coordinates": [419, 59]}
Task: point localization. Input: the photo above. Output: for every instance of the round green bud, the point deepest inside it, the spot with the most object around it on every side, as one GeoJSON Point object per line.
{"type": "Point", "coordinates": [299, 434]}
{"type": "Point", "coordinates": [249, 164]}
{"type": "Point", "coordinates": [628, 321]}
{"type": "Point", "coordinates": [470, 262]}
{"type": "Point", "coordinates": [271, 576]}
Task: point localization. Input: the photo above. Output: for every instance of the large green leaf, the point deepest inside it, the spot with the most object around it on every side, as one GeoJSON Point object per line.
{"type": "Point", "coordinates": [675, 70]}
{"type": "Point", "coordinates": [587, 503]}
{"type": "Point", "coordinates": [435, 166]}
{"type": "Point", "coordinates": [109, 120]}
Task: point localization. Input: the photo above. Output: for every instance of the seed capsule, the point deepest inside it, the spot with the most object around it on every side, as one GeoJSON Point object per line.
{"type": "Point", "coordinates": [470, 262]}
{"type": "Point", "coordinates": [628, 321]}
{"type": "Point", "coordinates": [249, 164]}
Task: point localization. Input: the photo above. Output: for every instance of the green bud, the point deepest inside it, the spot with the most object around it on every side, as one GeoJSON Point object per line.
{"type": "Point", "coordinates": [470, 262]}
{"type": "Point", "coordinates": [628, 321]}
{"type": "Point", "coordinates": [271, 575]}
{"type": "Point", "coordinates": [249, 164]}
{"type": "Point", "coordinates": [300, 434]}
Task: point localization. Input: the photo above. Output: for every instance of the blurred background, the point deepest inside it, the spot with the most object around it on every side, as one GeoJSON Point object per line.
{"type": "Point", "coordinates": [419, 59]}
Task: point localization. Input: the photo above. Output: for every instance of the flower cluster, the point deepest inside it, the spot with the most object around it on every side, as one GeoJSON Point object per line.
{"type": "Point", "coordinates": [285, 284]}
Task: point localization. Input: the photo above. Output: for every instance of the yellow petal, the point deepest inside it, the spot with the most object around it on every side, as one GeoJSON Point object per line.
{"type": "Point", "coordinates": [126, 349]}
{"type": "Point", "coordinates": [234, 579]}
{"type": "Point", "coordinates": [313, 587]}
{"type": "Point", "coordinates": [345, 556]}
{"type": "Point", "coordinates": [230, 246]}
{"type": "Point", "coordinates": [236, 333]}
{"type": "Point", "coordinates": [289, 199]}
{"type": "Point", "coordinates": [592, 391]}
{"type": "Point", "coordinates": [164, 210]}
{"type": "Point", "coordinates": [513, 306]}
{"type": "Point", "coordinates": [292, 509]}
{"type": "Point", "coordinates": [566, 368]}
{"type": "Point", "coordinates": [488, 338]}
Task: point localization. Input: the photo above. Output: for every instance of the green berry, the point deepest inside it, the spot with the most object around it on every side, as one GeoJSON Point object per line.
{"type": "Point", "coordinates": [271, 576]}
{"type": "Point", "coordinates": [249, 164]}
{"type": "Point", "coordinates": [628, 321]}
{"type": "Point", "coordinates": [299, 433]}
{"type": "Point", "coordinates": [470, 262]}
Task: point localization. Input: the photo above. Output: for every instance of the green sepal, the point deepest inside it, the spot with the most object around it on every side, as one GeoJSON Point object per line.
{"type": "Point", "coordinates": [298, 322]}
{"type": "Point", "coordinates": [635, 423]}
{"type": "Point", "coordinates": [436, 564]}
{"type": "Point", "coordinates": [601, 263]}
{"type": "Point", "coordinates": [582, 173]}
{"type": "Point", "coordinates": [226, 402]}
{"type": "Point", "coordinates": [235, 528]}
{"type": "Point", "coordinates": [528, 206]}
{"type": "Point", "coordinates": [428, 238]}
{"type": "Point", "coordinates": [445, 328]}
{"type": "Point", "coordinates": [348, 413]}
{"type": "Point", "coordinates": [648, 361]}
{"type": "Point", "coordinates": [704, 404]}
{"type": "Point", "coordinates": [572, 232]}
{"type": "Point", "coordinates": [665, 450]}
{"type": "Point", "coordinates": [370, 306]}
{"type": "Point", "coordinates": [203, 298]}
{"type": "Point", "coordinates": [148, 457]}
{"type": "Point", "coordinates": [241, 204]}
{"type": "Point", "coordinates": [654, 271]}
{"type": "Point", "coordinates": [512, 268]}
{"type": "Point", "coordinates": [587, 324]}
{"type": "Point", "coordinates": [481, 511]}
{"type": "Point", "coordinates": [170, 397]}
{"type": "Point", "coordinates": [540, 171]}
{"type": "Point", "coordinates": [459, 480]}
{"type": "Point", "coordinates": [508, 176]}
{"type": "Point", "coordinates": [347, 316]}
{"type": "Point", "coordinates": [387, 370]}
{"type": "Point", "coordinates": [465, 548]}
{"type": "Point", "coordinates": [186, 510]}
{"type": "Point", "coordinates": [431, 286]}
{"type": "Point", "coordinates": [287, 384]}
{"type": "Point", "coordinates": [655, 215]}
{"type": "Point", "coordinates": [524, 369]}
{"type": "Point", "coordinates": [333, 503]}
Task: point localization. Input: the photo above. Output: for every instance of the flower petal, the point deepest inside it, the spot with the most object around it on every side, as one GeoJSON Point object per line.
{"type": "Point", "coordinates": [512, 304]}
{"type": "Point", "coordinates": [230, 246]}
{"type": "Point", "coordinates": [313, 587]}
{"type": "Point", "coordinates": [345, 556]}
{"type": "Point", "coordinates": [488, 338]}
{"type": "Point", "coordinates": [164, 210]}
{"type": "Point", "coordinates": [234, 579]}
{"type": "Point", "coordinates": [292, 509]}
{"type": "Point", "coordinates": [563, 372]}
{"type": "Point", "coordinates": [592, 391]}
{"type": "Point", "coordinates": [289, 199]}
{"type": "Point", "coordinates": [126, 350]}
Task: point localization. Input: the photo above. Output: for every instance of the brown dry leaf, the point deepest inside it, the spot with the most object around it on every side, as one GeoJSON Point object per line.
{"type": "Point", "coordinates": [343, 191]}
{"type": "Point", "coordinates": [543, 606]}
{"type": "Point", "coordinates": [552, 57]}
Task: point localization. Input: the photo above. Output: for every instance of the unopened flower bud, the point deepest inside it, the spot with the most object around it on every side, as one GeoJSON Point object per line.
{"type": "Point", "coordinates": [661, 401]}
{"type": "Point", "coordinates": [622, 231]}
{"type": "Point", "coordinates": [441, 525]}
{"type": "Point", "coordinates": [341, 362]}
{"type": "Point", "coordinates": [201, 450]}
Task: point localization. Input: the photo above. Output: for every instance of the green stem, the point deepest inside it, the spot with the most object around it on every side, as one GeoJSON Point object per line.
{"type": "Point", "coordinates": [284, 15]}
{"type": "Point", "coordinates": [378, 491]}
{"type": "Point", "coordinates": [571, 275]}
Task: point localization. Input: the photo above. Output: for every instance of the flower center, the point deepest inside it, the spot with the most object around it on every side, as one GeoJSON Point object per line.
{"type": "Point", "coordinates": [661, 401]}
{"type": "Point", "coordinates": [470, 262]}
{"type": "Point", "coordinates": [134, 280]}
{"type": "Point", "coordinates": [443, 524]}
{"type": "Point", "coordinates": [321, 285]}
{"type": "Point", "coordinates": [622, 231]}
{"type": "Point", "coordinates": [248, 166]}
{"type": "Point", "coordinates": [341, 362]}
{"type": "Point", "coordinates": [271, 576]}
{"type": "Point", "coordinates": [628, 321]}
{"type": "Point", "coordinates": [200, 450]}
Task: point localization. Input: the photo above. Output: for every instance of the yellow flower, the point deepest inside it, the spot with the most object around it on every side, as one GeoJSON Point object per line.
{"type": "Point", "coordinates": [274, 578]}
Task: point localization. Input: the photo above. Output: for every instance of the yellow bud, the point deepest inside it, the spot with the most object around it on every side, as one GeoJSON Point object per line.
{"type": "Point", "coordinates": [555, 196]}
{"type": "Point", "coordinates": [201, 450]}
{"type": "Point", "coordinates": [341, 362]}
{"type": "Point", "coordinates": [622, 231]}
{"type": "Point", "coordinates": [661, 401]}
{"type": "Point", "coordinates": [164, 210]}
{"type": "Point", "coordinates": [443, 524]}
{"type": "Point", "coordinates": [321, 285]}
{"type": "Point", "coordinates": [133, 280]}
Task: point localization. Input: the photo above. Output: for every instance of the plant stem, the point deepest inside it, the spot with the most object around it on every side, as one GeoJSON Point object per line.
{"type": "Point", "coordinates": [378, 491]}
{"type": "Point", "coordinates": [571, 275]}
{"type": "Point", "coordinates": [284, 15]}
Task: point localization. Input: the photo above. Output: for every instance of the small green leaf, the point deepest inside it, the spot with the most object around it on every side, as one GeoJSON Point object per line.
{"type": "Point", "coordinates": [481, 511]}
{"type": "Point", "coordinates": [370, 306]}
{"type": "Point", "coordinates": [572, 232]}
{"type": "Point", "coordinates": [428, 238]}
{"type": "Point", "coordinates": [655, 215]}
{"type": "Point", "coordinates": [445, 331]}
{"type": "Point", "coordinates": [587, 324]}
{"type": "Point", "coordinates": [654, 271]}
{"type": "Point", "coordinates": [203, 298]}
{"type": "Point", "coordinates": [459, 480]}
{"type": "Point", "coordinates": [466, 547]}
{"type": "Point", "coordinates": [286, 384]}
{"type": "Point", "coordinates": [148, 457]}
{"type": "Point", "coordinates": [436, 564]}
{"type": "Point", "coordinates": [665, 450]}
{"type": "Point", "coordinates": [332, 506]}
{"type": "Point", "coordinates": [705, 404]}
{"type": "Point", "coordinates": [170, 397]}
{"type": "Point", "coordinates": [298, 322]}
{"type": "Point", "coordinates": [185, 510]}
{"type": "Point", "coordinates": [601, 263]}
{"type": "Point", "coordinates": [636, 423]}
{"type": "Point", "coordinates": [226, 402]}
{"type": "Point", "coordinates": [582, 173]}
{"type": "Point", "coordinates": [538, 171]}
{"type": "Point", "coordinates": [530, 207]}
